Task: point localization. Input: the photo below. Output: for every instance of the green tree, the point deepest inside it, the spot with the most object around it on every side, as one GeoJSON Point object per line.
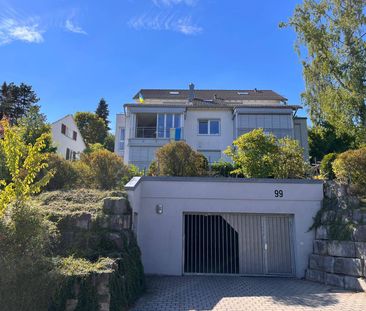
{"type": "Point", "coordinates": [253, 153]}
{"type": "Point", "coordinates": [258, 155]}
{"type": "Point", "coordinates": [32, 125]}
{"type": "Point", "coordinates": [103, 112]}
{"type": "Point", "coordinates": [16, 101]}
{"type": "Point", "coordinates": [178, 159]}
{"type": "Point", "coordinates": [91, 127]}
{"type": "Point", "coordinates": [323, 140]}
{"type": "Point", "coordinates": [109, 142]}
{"type": "Point", "coordinates": [24, 162]}
{"type": "Point", "coordinates": [331, 43]}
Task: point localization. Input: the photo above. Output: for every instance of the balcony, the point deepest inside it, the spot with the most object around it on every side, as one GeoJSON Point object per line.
{"type": "Point", "coordinates": [146, 132]}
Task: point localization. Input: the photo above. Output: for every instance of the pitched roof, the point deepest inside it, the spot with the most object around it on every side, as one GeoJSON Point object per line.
{"type": "Point", "coordinates": [183, 94]}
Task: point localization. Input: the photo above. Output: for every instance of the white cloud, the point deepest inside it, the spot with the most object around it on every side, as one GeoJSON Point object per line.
{"type": "Point", "coordinates": [168, 22]}
{"type": "Point", "coordinates": [11, 30]}
{"type": "Point", "coordinates": [70, 26]}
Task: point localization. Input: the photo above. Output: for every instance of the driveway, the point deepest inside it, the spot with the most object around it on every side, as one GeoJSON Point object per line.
{"type": "Point", "coordinates": [244, 293]}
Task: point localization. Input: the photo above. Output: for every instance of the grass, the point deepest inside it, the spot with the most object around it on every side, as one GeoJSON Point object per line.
{"type": "Point", "coordinates": [73, 201]}
{"type": "Point", "coordinates": [71, 266]}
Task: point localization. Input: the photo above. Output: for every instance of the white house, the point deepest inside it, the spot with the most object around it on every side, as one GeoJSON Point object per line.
{"type": "Point", "coordinates": [208, 120]}
{"type": "Point", "coordinates": [67, 138]}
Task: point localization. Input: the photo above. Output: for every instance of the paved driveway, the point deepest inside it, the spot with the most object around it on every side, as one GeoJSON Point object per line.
{"type": "Point", "coordinates": [244, 293]}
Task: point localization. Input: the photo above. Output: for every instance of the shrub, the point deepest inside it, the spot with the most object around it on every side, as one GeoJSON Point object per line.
{"type": "Point", "coordinates": [350, 167]}
{"type": "Point", "coordinates": [153, 169]}
{"type": "Point", "coordinates": [65, 176]}
{"type": "Point", "coordinates": [224, 169]}
{"type": "Point", "coordinates": [179, 159]}
{"type": "Point", "coordinates": [107, 168]}
{"type": "Point", "coordinates": [258, 155]}
{"type": "Point", "coordinates": [326, 168]}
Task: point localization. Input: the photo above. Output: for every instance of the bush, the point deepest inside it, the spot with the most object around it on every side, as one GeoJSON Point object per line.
{"type": "Point", "coordinates": [258, 155]}
{"type": "Point", "coordinates": [326, 168]}
{"type": "Point", "coordinates": [107, 168]}
{"type": "Point", "coordinates": [179, 159]}
{"type": "Point", "coordinates": [65, 176]}
{"type": "Point", "coordinates": [224, 169]}
{"type": "Point", "coordinates": [350, 167]}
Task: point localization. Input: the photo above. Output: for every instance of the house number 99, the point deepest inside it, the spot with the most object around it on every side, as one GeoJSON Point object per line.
{"type": "Point", "coordinates": [278, 193]}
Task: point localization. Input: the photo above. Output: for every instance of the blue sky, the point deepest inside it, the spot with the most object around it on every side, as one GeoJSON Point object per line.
{"type": "Point", "coordinates": [75, 52]}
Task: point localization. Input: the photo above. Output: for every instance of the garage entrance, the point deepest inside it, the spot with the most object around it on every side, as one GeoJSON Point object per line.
{"type": "Point", "coordinates": [233, 243]}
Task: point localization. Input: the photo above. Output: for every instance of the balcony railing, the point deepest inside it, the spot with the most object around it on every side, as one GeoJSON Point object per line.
{"type": "Point", "coordinates": [146, 132]}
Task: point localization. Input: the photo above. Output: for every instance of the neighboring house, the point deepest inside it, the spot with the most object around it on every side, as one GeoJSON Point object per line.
{"type": "Point", "coordinates": [207, 120]}
{"type": "Point", "coordinates": [67, 138]}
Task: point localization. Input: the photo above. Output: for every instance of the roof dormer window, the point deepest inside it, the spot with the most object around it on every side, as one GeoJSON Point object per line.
{"type": "Point", "coordinates": [243, 93]}
{"type": "Point", "coordinates": [174, 93]}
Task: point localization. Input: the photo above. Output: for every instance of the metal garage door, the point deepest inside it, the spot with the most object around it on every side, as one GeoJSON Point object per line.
{"type": "Point", "coordinates": [246, 244]}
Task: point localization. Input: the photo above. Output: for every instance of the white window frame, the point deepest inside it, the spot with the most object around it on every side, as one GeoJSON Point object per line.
{"type": "Point", "coordinates": [122, 141]}
{"type": "Point", "coordinates": [165, 128]}
{"type": "Point", "coordinates": [209, 127]}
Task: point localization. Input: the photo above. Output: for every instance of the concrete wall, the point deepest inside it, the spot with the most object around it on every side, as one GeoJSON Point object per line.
{"type": "Point", "coordinates": [62, 141]}
{"type": "Point", "coordinates": [160, 236]}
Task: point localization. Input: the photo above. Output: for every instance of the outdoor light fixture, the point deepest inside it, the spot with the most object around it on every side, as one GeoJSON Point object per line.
{"type": "Point", "coordinates": [159, 209]}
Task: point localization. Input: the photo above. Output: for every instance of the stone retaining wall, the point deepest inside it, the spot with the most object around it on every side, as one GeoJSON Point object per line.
{"type": "Point", "coordinates": [339, 262]}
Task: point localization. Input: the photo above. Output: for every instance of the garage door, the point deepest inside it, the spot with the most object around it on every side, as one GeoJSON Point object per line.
{"type": "Point", "coordinates": [246, 244]}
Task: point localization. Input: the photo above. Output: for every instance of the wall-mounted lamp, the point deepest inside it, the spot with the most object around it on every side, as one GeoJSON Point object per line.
{"type": "Point", "coordinates": [159, 209]}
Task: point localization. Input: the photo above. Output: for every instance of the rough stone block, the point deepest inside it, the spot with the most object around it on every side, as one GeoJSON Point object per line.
{"type": "Point", "coordinates": [116, 239]}
{"type": "Point", "coordinates": [321, 233]}
{"type": "Point", "coordinates": [334, 279]}
{"type": "Point", "coordinates": [116, 206]}
{"type": "Point", "coordinates": [360, 250]}
{"type": "Point", "coordinates": [71, 304]}
{"type": "Point", "coordinates": [320, 247]}
{"type": "Point", "coordinates": [83, 221]}
{"type": "Point", "coordinates": [359, 216]}
{"type": "Point", "coordinates": [360, 234]}
{"type": "Point", "coordinates": [354, 283]}
{"type": "Point", "coordinates": [349, 266]}
{"type": "Point", "coordinates": [315, 275]}
{"type": "Point", "coordinates": [104, 306]}
{"type": "Point", "coordinates": [328, 264]}
{"type": "Point", "coordinates": [316, 262]}
{"type": "Point", "coordinates": [103, 283]}
{"type": "Point", "coordinates": [341, 249]}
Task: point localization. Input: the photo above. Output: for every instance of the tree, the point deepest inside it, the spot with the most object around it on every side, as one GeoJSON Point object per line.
{"type": "Point", "coordinates": [323, 140]}
{"type": "Point", "coordinates": [179, 159]}
{"type": "Point", "coordinates": [258, 155]}
{"type": "Point", "coordinates": [32, 125]}
{"type": "Point", "coordinates": [16, 101]}
{"type": "Point", "coordinates": [24, 162]}
{"type": "Point", "coordinates": [109, 142]}
{"type": "Point", "coordinates": [103, 112]}
{"type": "Point", "coordinates": [91, 127]}
{"type": "Point", "coordinates": [332, 34]}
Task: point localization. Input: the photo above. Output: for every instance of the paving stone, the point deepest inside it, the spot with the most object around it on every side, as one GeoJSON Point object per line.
{"type": "Point", "coordinates": [341, 249]}
{"type": "Point", "coordinates": [321, 247]}
{"type": "Point", "coordinates": [227, 293]}
{"type": "Point", "coordinates": [348, 266]}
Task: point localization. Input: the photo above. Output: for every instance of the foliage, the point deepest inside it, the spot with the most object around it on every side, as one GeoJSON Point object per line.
{"type": "Point", "coordinates": [103, 112]}
{"type": "Point", "coordinates": [350, 167]}
{"type": "Point", "coordinates": [224, 169]}
{"type": "Point", "coordinates": [65, 175]}
{"type": "Point", "coordinates": [326, 166]}
{"type": "Point", "coordinates": [334, 63]}
{"type": "Point", "coordinates": [153, 169]}
{"type": "Point", "coordinates": [132, 171]}
{"type": "Point", "coordinates": [93, 147]}
{"type": "Point", "coordinates": [109, 142]}
{"type": "Point", "coordinates": [257, 155]}
{"type": "Point", "coordinates": [179, 159]}
{"type": "Point", "coordinates": [24, 163]}
{"type": "Point", "coordinates": [108, 168]}
{"type": "Point", "coordinates": [32, 125]}
{"type": "Point", "coordinates": [71, 266]}
{"type": "Point", "coordinates": [16, 101]}
{"type": "Point", "coordinates": [91, 127]}
{"type": "Point", "coordinates": [27, 280]}
{"type": "Point", "coordinates": [289, 160]}
{"type": "Point", "coordinates": [323, 140]}
{"type": "Point", "coordinates": [253, 153]}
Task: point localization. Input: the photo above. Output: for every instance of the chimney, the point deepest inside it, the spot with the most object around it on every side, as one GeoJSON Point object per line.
{"type": "Point", "coordinates": [191, 95]}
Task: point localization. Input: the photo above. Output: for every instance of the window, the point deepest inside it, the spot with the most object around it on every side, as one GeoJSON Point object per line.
{"type": "Point", "coordinates": [63, 129]}
{"type": "Point", "coordinates": [211, 155]}
{"type": "Point", "coordinates": [167, 121]}
{"type": "Point", "coordinates": [209, 127]}
{"type": "Point", "coordinates": [122, 133]}
{"type": "Point", "coordinates": [68, 154]}
{"type": "Point", "coordinates": [74, 135]}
